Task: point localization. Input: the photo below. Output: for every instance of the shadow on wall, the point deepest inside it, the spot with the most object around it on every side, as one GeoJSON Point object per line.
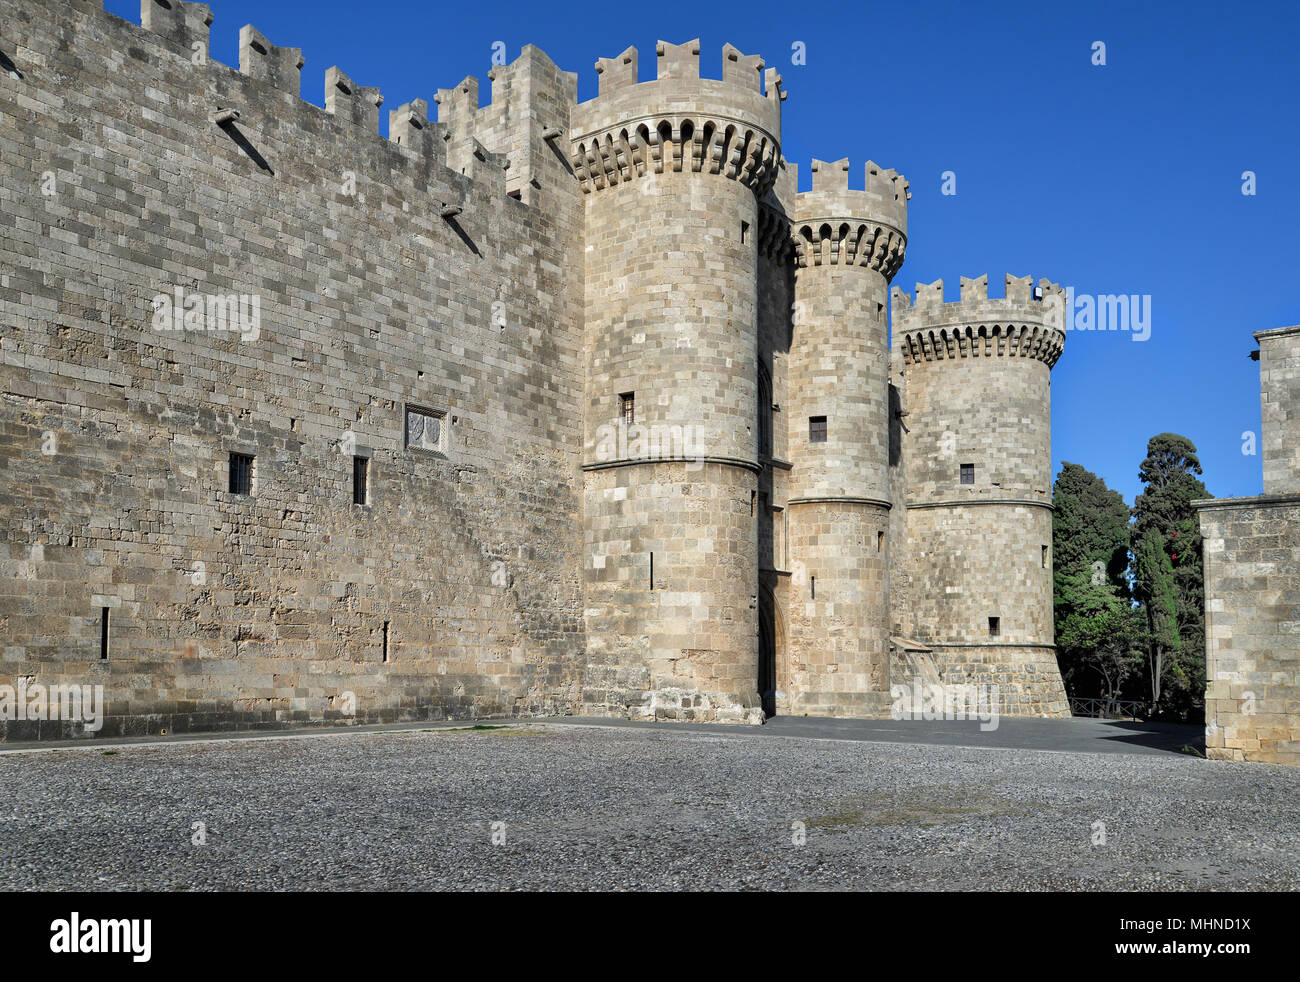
{"type": "Point", "coordinates": [896, 427]}
{"type": "Point", "coordinates": [9, 67]}
{"type": "Point", "coordinates": [241, 141]}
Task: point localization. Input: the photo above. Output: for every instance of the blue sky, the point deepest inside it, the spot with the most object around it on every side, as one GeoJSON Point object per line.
{"type": "Point", "coordinates": [1119, 179]}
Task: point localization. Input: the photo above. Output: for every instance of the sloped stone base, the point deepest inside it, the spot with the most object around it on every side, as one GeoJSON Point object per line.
{"type": "Point", "coordinates": [1027, 676]}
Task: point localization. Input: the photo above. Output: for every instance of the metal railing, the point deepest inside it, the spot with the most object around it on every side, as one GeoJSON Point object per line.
{"type": "Point", "coordinates": [1108, 708]}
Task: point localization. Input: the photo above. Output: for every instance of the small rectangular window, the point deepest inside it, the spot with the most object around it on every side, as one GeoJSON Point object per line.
{"type": "Point", "coordinates": [360, 480]}
{"type": "Point", "coordinates": [995, 627]}
{"type": "Point", "coordinates": [425, 429]}
{"type": "Point", "coordinates": [880, 542]}
{"type": "Point", "coordinates": [241, 473]}
{"type": "Point", "coordinates": [103, 633]}
{"type": "Point", "coordinates": [812, 588]}
{"type": "Point", "coordinates": [627, 408]}
{"type": "Point", "coordinates": [385, 652]}
{"type": "Point", "coordinates": [967, 473]}
{"type": "Point", "coordinates": [1044, 557]}
{"type": "Point", "coordinates": [744, 232]}
{"type": "Point", "coordinates": [816, 429]}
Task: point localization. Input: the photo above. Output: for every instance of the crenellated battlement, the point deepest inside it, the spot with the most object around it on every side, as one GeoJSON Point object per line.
{"type": "Point", "coordinates": [280, 68]}
{"type": "Point", "coordinates": [882, 199]}
{"type": "Point", "coordinates": [356, 104]}
{"type": "Point", "coordinates": [679, 122]}
{"type": "Point", "coordinates": [835, 225]}
{"type": "Point", "coordinates": [1024, 323]}
{"type": "Point", "coordinates": [744, 75]}
{"type": "Point", "coordinates": [176, 20]}
{"type": "Point", "coordinates": [479, 142]}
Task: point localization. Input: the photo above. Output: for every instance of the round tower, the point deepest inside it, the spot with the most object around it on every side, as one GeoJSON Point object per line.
{"type": "Point", "coordinates": [672, 171]}
{"type": "Point", "coordinates": [849, 245]}
{"type": "Point", "coordinates": [977, 401]}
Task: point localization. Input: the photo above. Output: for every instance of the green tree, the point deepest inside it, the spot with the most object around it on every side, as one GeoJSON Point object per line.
{"type": "Point", "coordinates": [1164, 518]}
{"type": "Point", "coordinates": [1097, 635]}
{"type": "Point", "coordinates": [1157, 592]}
{"type": "Point", "coordinates": [1090, 525]}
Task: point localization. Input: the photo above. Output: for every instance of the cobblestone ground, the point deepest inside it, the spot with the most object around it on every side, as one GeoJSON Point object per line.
{"type": "Point", "coordinates": [655, 808]}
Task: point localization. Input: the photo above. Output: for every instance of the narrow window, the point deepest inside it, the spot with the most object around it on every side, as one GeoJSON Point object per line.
{"type": "Point", "coordinates": [744, 232]}
{"type": "Point", "coordinates": [652, 571]}
{"type": "Point", "coordinates": [812, 587]}
{"type": "Point", "coordinates": [880, 542]}
{"type": "Point", "coordinates": [816, 429]}
{"type": "Point", "coordinates": [995, 627]}
{"type": "Point", "coordinates": [241, 473]}
{"type": "Point", "coordinates": [753, 497]}
{"type": "Point", "coordinates": [627, 408]}
{"type": "Point", "coordinates": [1044, 557]}
{"type": "Point", "coordinates": [967, 473]}
{"type": "Point", "coordinates": [385, 641]}
{"type": "Point", "coordinates": [360, 480]}
{"type": "Point", "coordinates": [103, 633]}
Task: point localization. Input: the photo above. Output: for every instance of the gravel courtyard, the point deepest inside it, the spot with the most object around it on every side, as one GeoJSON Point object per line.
{"type": "Point", "coordinates": [662, 807]}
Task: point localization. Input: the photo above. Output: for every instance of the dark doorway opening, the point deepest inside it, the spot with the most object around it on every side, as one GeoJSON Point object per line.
{"type": "Point", "coordinates": [767, 650]}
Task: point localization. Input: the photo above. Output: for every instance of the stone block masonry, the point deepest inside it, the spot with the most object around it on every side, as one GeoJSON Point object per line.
{"type": "Point", "coordinates": [455, 588]}
{"type": "Point", "coordinates": [975, 383]}
{"type": "Point", "coordinates": [1252, 584]}
{"type": "Point", "coordinates": [534, 407]}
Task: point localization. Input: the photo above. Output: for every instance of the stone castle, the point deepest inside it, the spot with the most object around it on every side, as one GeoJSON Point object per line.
{"type": "Point", "coordinates": [540, 407]}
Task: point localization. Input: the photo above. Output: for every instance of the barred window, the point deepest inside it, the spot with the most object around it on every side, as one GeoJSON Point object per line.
{"type": "Point", "coordinates": [816, 429]}
{"type": "Point", "coordinates": [360, 480]}
{"type": "Point", "coordinates": [627, 408]}
{"type": "Point", "coordinates": [241, 473]}
{"type": "Point", "coordinates": [967, 473]}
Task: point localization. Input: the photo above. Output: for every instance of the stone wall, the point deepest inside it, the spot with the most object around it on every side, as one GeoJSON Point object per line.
{"type": "Point", "coordinates": [229, 610]}
{"type": "Point", "coordinates": [1279, 379]}
{"type": "Point", "coordinates": [1252, 628]}
{"type": "Point", "coordinates": [672, 589]}
{"type": "Point", "coordinates": [1252, 584]}
{"type": "Point", "coordinates": [838, 640]}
